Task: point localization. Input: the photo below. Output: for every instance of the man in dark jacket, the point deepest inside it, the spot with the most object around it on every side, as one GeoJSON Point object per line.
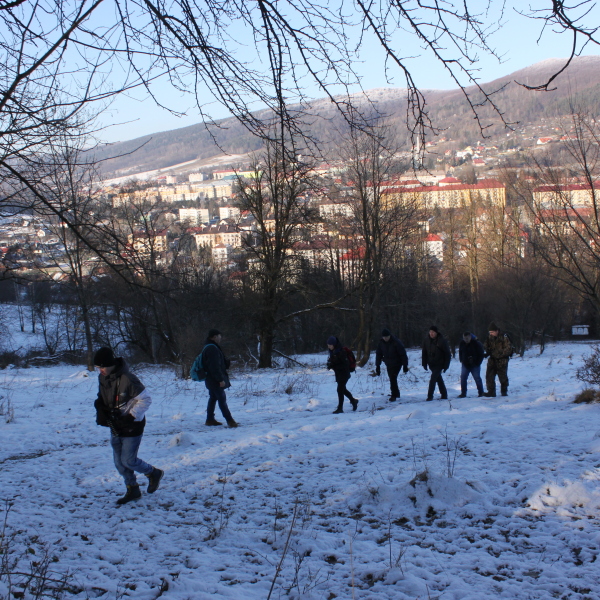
{"type": "Point", "coordinates": [470, 353]}
{"type": "Point", "coordinates": [216, 364]}
{"type": "Point", "coordinates": [339, 363]}
{"type": "Point", "coordinates": [121, 405]}
{"type": "Point", "coordinates": [436, 355]}
{"type": "Point", "coordinates": [391, 351]}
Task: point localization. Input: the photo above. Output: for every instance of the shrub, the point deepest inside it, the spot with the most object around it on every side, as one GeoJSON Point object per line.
{"type": "Point", "coordinates": [587, 396]}
{"type": "Point", "coordinates": [590, 371]}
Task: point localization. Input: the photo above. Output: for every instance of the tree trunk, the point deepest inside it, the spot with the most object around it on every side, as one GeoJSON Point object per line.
{"type": "Point", "coordinates": [266, 348]}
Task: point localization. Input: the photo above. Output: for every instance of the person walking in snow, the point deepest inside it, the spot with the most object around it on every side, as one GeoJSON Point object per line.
{"type": "Point", "coordinates": [436, 355]}
{"type": "Point", "coordinates": [121, 405]}
{"type": "Point", "coordinates": [470, 353]}
{"type": "Point", "coordinates": [216, 364]}
{"type": "Point", "coordinates": [499, 349]}
{"type": "Point", "coordinates": [391, 351]}
{"type": "Point", "coordinates": [339, 363]}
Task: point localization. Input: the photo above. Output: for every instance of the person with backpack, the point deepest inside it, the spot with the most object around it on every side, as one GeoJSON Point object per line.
{"type": "Point", "coordinates": [339, 362]}
{"type": "Point", "coordinates": [436, 355]}
{"type": "Point", "coordinates": [121, 405]}
{"type": "Point", "coordinates": [391, 351]}
{"type": "Point", "coordinates": [499, 348]}
{"type": "Point", "coordinates": [470, 353]}
{"type": "Point", "coordinates": [211, 367]}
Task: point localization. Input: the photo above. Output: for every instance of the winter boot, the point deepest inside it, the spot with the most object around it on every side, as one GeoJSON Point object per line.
{"type": "Point", "coordinates": [461, 396]}
{"type": "Point", "coordinates": [490, 394]}
{"type": "Point", "coordinates": [504, 392]}
{"type": "Point", "coordinates": [212, 422]}
{"type": "Point", "coordinates": [154, 480]}
{"type": "Point", "coordinates": [133, 493]}
{"type": "Point", "coordinates": [232, 423]}
{"type": "Point", "coordinates": [354, 403]}
{"type": "Point", "coordinates": [338, 410]}
{"type": "Point", "coordinates": [392, 399]}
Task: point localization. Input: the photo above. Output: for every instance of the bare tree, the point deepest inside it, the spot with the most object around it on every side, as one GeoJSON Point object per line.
{"type": "Point", "coordinates": [383, 223]}
{"type": "Point", "coordinates": [564, 207]}
{"type": "Point", "coordinates": [275, 197]}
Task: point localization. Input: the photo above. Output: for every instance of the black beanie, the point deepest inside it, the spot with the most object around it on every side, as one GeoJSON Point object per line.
{"type": "Point", "coordinates": [385, 332]}
{"type": "Point", "coordinates": [104, 358]}
{"type": "Point", "coordinates": [493, 327]}
{"type": "Point", "coordinates": [434, 328]}
{"type": "Point", "coordinates": [332, 340]}
{"type": "Point", "coordinates": [212, 333]}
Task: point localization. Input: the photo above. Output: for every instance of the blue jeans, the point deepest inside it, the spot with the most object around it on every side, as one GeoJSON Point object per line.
{"type": "Point", "coordinates": [464, 375]}
{"type": "Point", "coordinates": [217, 394]}
{"type": "Point", "coordinates": [125, 451]}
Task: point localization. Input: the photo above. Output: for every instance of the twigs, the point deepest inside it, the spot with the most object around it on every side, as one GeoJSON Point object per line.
{"type": "Point", "coordinates": [285, 549]}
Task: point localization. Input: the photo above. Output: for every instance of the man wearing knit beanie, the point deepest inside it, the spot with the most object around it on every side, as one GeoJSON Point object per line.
{"type": "Point", "coordinates": [121, 405]}
{"type": "Point", "coordinates": [391, 352]}
{"type": "Point", "coordinates": [436, 356]}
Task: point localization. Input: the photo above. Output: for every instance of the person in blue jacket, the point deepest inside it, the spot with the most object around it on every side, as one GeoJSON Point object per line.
{"type": "Point", "coordinates": [470, 354]}
{"type": "Point", "coordinates": [216, 364]}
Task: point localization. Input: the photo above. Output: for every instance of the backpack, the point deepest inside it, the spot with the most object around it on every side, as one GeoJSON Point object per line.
{"type": "Point", "coordinates": [351, 358]}
{"type": "Point", "coordinates": [197, 372]}
{"type": "Point", "coordinates": [512, 345]}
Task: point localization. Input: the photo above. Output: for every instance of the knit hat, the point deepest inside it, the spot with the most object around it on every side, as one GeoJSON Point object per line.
{"type": "Point", "coordinates": [493, 327]}
{"type": "Point", "coordinates": [385, 332]}
{"type": "Point", "coordinates": [434, 328]}
{"type": "Point", "coordinates": [212, 333]}
{"type": "Point", "coordinates": [332, 340]}
{"type": "Point", "coordinates": [467, 335]}
{"type": "Point", "coordinates": [104, 358]}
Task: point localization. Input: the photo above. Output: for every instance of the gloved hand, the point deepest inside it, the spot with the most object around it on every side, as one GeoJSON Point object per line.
{"type": "Point", "coordinates": [127, 419]}
{"type": "Point", "coordinates": [101, 414]}
{"type": "Point", "coordinates": [405, 368]}
{"type": "Point", "coordinates": [378, 370]}
{"type": "Point", "coordinates": [329, 365]}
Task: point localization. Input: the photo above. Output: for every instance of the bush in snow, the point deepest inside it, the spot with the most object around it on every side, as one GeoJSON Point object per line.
{"type": "Point", "coordinates": [587, 396]}
{"type": "Point", "coordinates": [590, 371]}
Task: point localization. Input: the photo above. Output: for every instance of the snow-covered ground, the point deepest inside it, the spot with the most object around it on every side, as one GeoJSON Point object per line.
{"type": "Point", "coordinates": [469, 499]}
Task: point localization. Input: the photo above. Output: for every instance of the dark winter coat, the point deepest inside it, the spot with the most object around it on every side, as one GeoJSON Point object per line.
{"type": "Point", "coordinates": [499, 349]}
{"type": "Point", "coordinates": [435, 352]}
{"type": "Point", "coordinates": [215, 364]}
{"type": "Point", "coordinates": [122, 401]}
{"type": "Point", "coordinates": [392, 354]}
{"type": "Point", "coordinates": [471, 354]}
{"type": "Point", "coordinates": [338, 362]}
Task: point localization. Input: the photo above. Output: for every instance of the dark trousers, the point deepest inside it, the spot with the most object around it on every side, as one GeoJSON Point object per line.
{"type": "Point", "coordinates": [342, 391]}
{"type": "Point", "coordinates": [393, 375]}
{"type": "Point", "coordinates": [436, 377]}
{"type": "Point", "coordinates": [217, 395]}
{"type": "Point", "coordinates": [496, 367]}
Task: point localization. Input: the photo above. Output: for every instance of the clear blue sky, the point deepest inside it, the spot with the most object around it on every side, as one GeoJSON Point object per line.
{"type": "Point", "coordinates": [517, 42]}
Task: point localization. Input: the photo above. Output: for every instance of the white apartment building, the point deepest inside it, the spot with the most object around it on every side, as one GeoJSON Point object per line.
{"type": "Point", "coordinates": [194, 215]}
{"type": "Point", "coordinates": [221, 254]}
{"type": "Point", "coordinates": [228, 212]}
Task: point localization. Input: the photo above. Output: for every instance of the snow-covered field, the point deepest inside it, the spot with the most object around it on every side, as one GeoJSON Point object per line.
{"type": "Point", "coordinates": [469, 499]}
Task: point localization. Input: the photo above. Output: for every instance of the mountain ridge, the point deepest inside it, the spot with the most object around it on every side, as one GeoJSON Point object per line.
{"type": "Point", "coordinates": [448, 110]}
